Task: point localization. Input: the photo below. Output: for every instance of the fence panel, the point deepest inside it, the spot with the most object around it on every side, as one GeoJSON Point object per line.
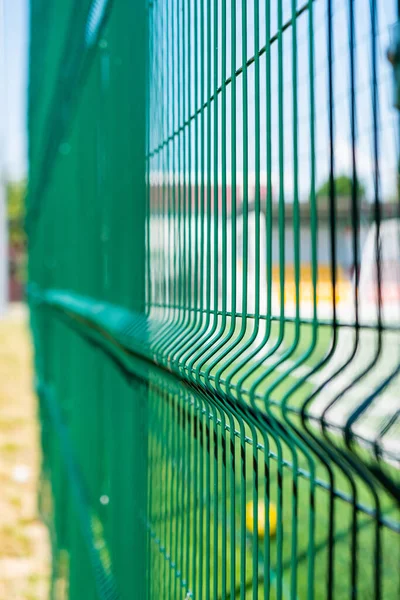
{"type": "Point", "coordinates": [213, 220]}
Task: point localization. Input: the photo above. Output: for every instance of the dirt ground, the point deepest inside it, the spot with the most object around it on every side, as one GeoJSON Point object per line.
{"type": "Point", "coordinates": [24, 543]}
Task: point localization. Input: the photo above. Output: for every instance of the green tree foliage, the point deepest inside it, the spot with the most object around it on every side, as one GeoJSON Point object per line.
{"type": "Point", "coordinates": [16, 212]}
{"type": "Point", "coordinates": [343, 188]}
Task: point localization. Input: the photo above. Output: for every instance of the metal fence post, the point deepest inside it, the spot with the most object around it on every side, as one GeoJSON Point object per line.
{"type": "Point", "coordinates": [128, 56]}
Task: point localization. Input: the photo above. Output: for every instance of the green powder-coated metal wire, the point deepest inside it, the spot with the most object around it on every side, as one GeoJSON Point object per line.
{"type": "Point", "coordinates": [214, 266]}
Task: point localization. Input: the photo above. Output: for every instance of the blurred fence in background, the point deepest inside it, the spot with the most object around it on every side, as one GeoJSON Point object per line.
{"type": "Point", "coordinates": [214, 284]}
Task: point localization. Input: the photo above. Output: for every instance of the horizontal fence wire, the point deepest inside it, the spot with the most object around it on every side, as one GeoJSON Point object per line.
{"type": "Point", "coordinates": [214, 284]}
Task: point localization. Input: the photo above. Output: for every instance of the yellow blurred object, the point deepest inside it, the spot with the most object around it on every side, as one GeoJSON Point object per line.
{"type": "Point", "coordinates": [261, 518]}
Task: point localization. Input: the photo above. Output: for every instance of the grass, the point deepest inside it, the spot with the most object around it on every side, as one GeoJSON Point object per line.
{"type": "Point", "coordinates": [188, 510]}
{"type": "Point", "coordinates": [196, 529]}
{"type": "Point", "coordinates": [24, 547]}
{"type": "Point", "coordinates": [173, 519]}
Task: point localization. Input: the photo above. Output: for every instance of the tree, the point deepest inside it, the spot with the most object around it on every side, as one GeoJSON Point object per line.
{"type": "Point", "coordinates": [16, 212]}
{"type": "Point", "coordinates": [15, 194]}
{"type": "Point", "coordinates": [343, 188]}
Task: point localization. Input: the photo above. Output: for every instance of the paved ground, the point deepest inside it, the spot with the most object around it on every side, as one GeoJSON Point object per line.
{"type": "Point", "coordinates": [24, 544]}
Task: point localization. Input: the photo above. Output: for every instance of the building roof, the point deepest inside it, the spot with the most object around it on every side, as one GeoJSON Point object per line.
{"type": "Point", "coordinates": [184, 196]}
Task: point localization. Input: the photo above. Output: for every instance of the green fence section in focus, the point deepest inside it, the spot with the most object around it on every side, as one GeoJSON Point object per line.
{"type": "Point", "coordinates": [214, 285]}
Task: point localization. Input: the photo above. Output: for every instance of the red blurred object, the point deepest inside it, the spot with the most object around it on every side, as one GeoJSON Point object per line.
{"type": "Point", "coordinates": [16, 264]}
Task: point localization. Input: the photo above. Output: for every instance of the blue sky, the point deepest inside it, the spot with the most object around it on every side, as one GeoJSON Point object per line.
{"type": "Point", "coordinates": [165, 88]}
{"type": "Point", "coordinates": [16, 13]}
{"type": "Point", "coordinates": [13, 106]}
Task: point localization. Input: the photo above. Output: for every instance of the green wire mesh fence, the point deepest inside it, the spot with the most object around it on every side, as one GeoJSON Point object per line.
{"type": "Point", "coordinates": [214, 236]}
